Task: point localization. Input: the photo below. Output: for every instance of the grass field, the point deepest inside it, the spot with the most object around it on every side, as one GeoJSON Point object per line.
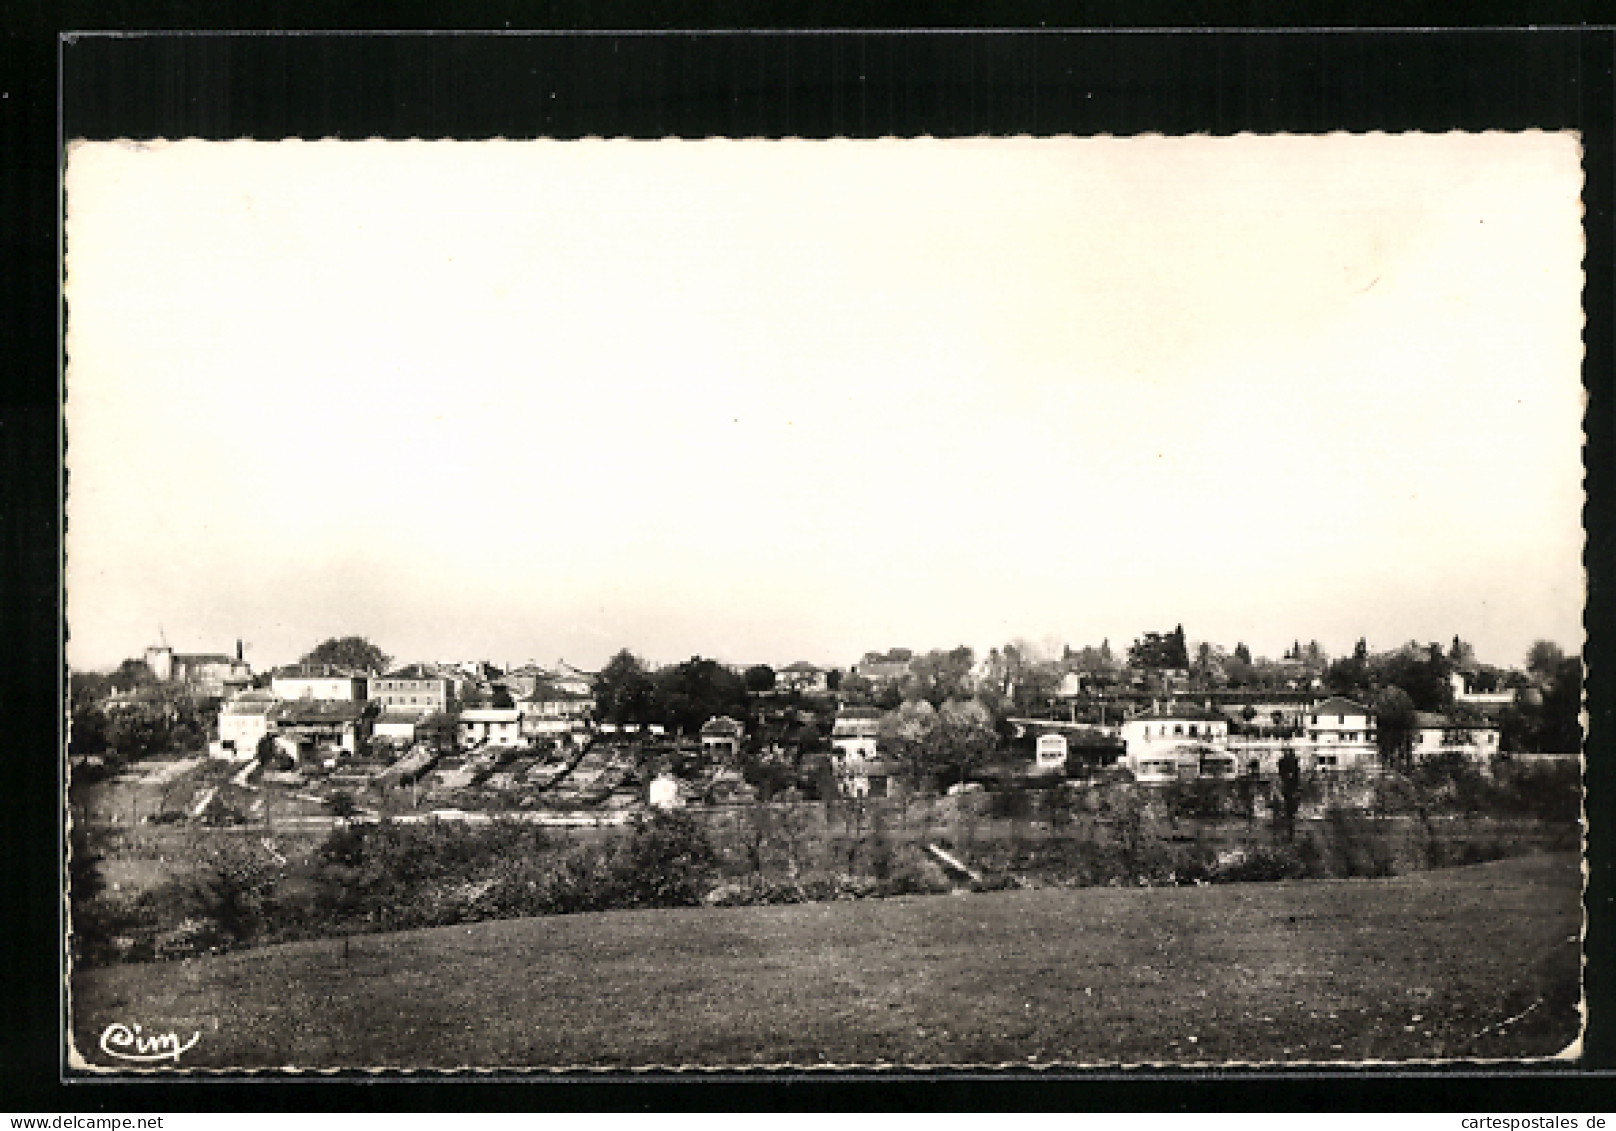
{"type": "Point", "coordinates": [1432, 965]}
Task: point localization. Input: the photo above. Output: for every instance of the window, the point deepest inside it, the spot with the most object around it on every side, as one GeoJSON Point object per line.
{"type": "Point", "coordinates": [1178, 728]}
{"type": "Point", "coordinates": [1195, 731]}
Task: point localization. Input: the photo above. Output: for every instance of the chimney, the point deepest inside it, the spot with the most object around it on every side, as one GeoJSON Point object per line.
{"type": "Point", "coordinates": [238, 650]}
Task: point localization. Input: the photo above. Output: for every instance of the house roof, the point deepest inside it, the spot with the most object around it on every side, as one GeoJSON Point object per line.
{"type": "Point", "coordinates": [722, 724]}
{"type": "Point", "coordinates": [296, 711]}
{"type": "Point", "coordinates": [204, 658]}
{"type": "Point", "coordinates": [315, 671]}
{"type": "Point", "coordinates": [549, 692]}
{"type": "Point", "coordinates": [411, 671]}
{"type": "Point", "coordinates": [802, 666]}
{"type": "Point", "coordinates": [875, 767]}
{"type": "Point", "coordinates": [402, 715]}
{"type": "Point", "coordinates": [1432, 720]}
{"type": "Point", "coordinates": [1338, 705]}
{"type": "Point", "coordinates": [250, 703]}
{"type": "Point", "coordinates": [1191, 714]}
{"type": "Point", "coordinates": [490, 715]}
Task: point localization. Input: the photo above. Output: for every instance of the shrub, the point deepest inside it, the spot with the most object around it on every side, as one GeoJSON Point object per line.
{"type": "Point", "coordinates": [1358, 847]}
{"type": "Point", "coordinates": [233, 881]}
{"type": "Point", "coordinates": [667, 861]}
{"type": "Point", "coordinates": [1014, 803]}
{"type": "Point", "coordinates": [1259, 865]}
{"type": "Point", "coordinates": [916, 875]}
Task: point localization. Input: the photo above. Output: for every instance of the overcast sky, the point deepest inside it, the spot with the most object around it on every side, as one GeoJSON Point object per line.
{"type": "Point", "coordinates": [770, 401]}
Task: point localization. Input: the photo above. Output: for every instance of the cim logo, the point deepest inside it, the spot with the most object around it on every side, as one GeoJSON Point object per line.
{"type": "Point", "coordinates": [125, 1043]}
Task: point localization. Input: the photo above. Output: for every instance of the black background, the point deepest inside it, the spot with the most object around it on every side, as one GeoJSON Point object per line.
{"type": "Point", "coordinates": [1170, 75]}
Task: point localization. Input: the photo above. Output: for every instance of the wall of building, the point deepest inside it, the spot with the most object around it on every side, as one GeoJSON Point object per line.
{"type": "Point", "coordinates": [317, 687]}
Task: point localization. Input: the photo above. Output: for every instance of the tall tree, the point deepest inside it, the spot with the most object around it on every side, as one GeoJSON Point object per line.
{"type": "Point", "coordinates": [1422, 673]}
{"type": "Point", "coordinates": [690, 693]}
{"type": "Point", "coordinates": [1543, 660]}
{"type": "Point", "coordinates": [1394, 727]}
{"type": "Point", "coordinates": [1155, 651]}
{"type": "Point", "coordinates": [856, 690]}
{"type": "Point", "coordinates": [759, 678]}
{"type": "Point", "coordinates": [940, 676]}
{"type": "Point", "coordinates": [132, 674]}
{"type": "Point", "coordinates": [624, 692]}
{"type": "Point", "coordinates": [1242, 653]}
{"type": "Point", "coordinates": [1461, 656]}
{"type": "Point", "coordinates": [353, 652]}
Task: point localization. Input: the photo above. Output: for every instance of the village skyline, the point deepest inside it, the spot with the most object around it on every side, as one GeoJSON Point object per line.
{"type": "Point", "coordinates": [1047, 648]}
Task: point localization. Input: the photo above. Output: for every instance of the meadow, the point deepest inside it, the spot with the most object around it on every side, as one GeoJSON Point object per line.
{"type": "Point", "coordinates": [1469, 962]}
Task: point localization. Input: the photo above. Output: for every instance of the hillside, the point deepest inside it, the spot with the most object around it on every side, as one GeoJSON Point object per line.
{"type": "Point", "coordinates": [1420, 966]}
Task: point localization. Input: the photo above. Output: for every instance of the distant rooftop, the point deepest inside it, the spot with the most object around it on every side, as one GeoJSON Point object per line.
{"type": "Point", "coordinates": [316, 671]}
{"type": "Point", "coordinates": [1338, 705]}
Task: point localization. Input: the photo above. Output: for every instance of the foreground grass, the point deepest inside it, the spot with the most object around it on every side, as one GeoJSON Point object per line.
{"type": "Point", "coordinates": [1422, 966]}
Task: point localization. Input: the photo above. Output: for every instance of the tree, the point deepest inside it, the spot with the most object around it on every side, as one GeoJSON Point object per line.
{"type": "Point", "coordinates": [1242, 653]}
{"type": "Point", "coordinates": [342, 805]}
{"type": "Point", "coordinates": [1421, 672]}
{"type": "Point", "coordinates": [905, 733]}
{"type": "Point", "coordinates": [962, 739]}
{"type": "Point", "coordinates": [940, 676]}
{"type": "Point", "coordinates": [759, 678]}
{"type": "Point", "coordinates": [690, 693]}
{"type": "Point", "coordinates": [856, 690]}
{"type": "Point", "coordinates": [1155, 651]}
{"type": "Point", "coordinates": [502, 698]}
{"type": "Point", "coordinates": [1560, 717]}
{"type": "Point", "coordinates": [1035, 685]}
{"type": "Point", "coordinates": [352, 652]}
{"type": "Point", "coordinates": [1394, 727]}
{"type": "Point", "coordinates": [1290, 790]}
{"type": "Point", "coordinates": [1543, 660]}
{"type": "Point", "coordinates": [1461, 656]}
{"type": "Point", "coordinates": [131, 675]}
{"type": "Point", "coordinates": [624, 692]}
{"type": "Point", "coordinates": [1209, 664]}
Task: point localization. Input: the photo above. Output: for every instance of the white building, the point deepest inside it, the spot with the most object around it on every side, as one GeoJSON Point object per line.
{"type": "Point", "coordinates": [721, 737]}
{"type": "Point", "coordinates": [855, 735]}
{"type": "Point", "coordinates": [243, 722]}
{"type": "Point", "coordinates": [317, 681]}
{"type": "Point", "coordinates": [491, 726]}
{"type": "Point", "coordinates": [1338, 720]}
{"type": "Point", "coordinates": [664, 792]}
{"type": "Point", "coordinates": [1437, 735]}
{"type": "Point", "coordinates": [412, 688]}
{"type": "Point", "coordinates": [1052, 751]}
{"type": "Point", "coordinates": [1172, 742]}
{"type": "Point", "coordinates": [803, 677]}
{"type": "Point", "coordinates": [1463, 695]}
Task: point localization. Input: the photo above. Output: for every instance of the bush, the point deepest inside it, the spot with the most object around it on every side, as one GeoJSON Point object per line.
{"type": "Point", "coordinates": [1203, 799]}
{"type": "Point", "coordinates": [1549, 791]}
{"type": "Point", "coordinates": [914, 874]}
{"type": "Point", "coordinates": [230, 888]}
{"type": "Point", "coordinates": [1358, 847]}
{"type": "Point", "coordinates": [1259, 865]}
{"type": "Point", "coordinates": [667, 861]}
{"type": "Point", "coordinates": [1014, 803]}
